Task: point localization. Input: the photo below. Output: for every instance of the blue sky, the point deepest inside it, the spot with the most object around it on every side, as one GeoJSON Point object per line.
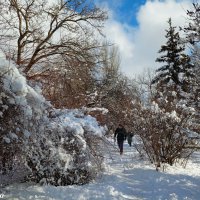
{"type": "Point", "coordinates": [125, 10]}
{"type": "Point", "coordinates": [137, 28]}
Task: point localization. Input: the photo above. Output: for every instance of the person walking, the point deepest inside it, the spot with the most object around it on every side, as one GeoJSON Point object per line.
{"type": "Point", "coordinates": [130, 138]}
{"type": "Point", "coordinates": [120, 134]}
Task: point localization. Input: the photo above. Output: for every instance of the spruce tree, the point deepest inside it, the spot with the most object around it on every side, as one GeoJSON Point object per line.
{"type": "Point", "coordinates": [192, 31]}
{"type": "Point", "coordinates": [173, 79]}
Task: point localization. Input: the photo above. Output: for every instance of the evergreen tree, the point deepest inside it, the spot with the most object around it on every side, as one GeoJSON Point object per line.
{"type": "Point", "coordinates": [173, 79]}
{"type": "Point", "coordinates": [192, 31]}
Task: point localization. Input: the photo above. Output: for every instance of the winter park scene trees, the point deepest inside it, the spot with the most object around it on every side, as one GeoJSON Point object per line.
{"type": "Point", "coordinates": [69, 83]}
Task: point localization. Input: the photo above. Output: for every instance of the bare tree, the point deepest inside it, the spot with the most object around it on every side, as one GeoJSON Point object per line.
{"type": "Point", "coordinates": [69, 87]}
{"type": "Point", "coordinates": [35, 32]}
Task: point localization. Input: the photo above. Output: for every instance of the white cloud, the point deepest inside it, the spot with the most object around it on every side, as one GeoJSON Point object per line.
{"type": "Point", "coordinates": [139, 46]}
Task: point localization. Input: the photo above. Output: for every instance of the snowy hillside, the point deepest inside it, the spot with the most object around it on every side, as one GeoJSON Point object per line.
{"type": "Point", "coordinates": [126, 177]}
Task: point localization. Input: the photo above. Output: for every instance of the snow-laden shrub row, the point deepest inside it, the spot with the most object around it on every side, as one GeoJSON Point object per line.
{"type": "Point", "coordinates": [59, 147]}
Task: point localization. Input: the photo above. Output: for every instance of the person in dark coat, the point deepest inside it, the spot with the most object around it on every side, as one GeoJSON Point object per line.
{"type": "Point", "coordinates": [120, 133]}
{"type": "Point", "coordinates": [130, 138]}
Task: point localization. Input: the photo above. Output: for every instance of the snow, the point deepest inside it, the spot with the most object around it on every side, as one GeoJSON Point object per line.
{"type": "Point", "coordinates": [27, 133]}
{"type": "Point", "coordinates": [15, 83]}
{"type": "Point", "coordinates": [126, 177]}
{"type": "Point", "coordinates": [75, 121]}
{"type": "Point", "coordinates": [103, 110]}
{"type": "Point", "coordinates": [7, 140]}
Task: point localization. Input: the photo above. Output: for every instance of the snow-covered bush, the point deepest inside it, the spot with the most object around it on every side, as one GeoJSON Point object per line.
{"type": "Point", "coordinates": [69, 150]}
{"type": "Point", "coordinates": [164, 136]}
{"type": "Point", "coordinates": [21, 110]}
{"type": "Point", "coordinates": [9, 117]}
{"type": "Point", "coordinates": [58, 147]}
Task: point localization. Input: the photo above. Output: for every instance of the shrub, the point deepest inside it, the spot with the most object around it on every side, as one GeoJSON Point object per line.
{"type": "Point", "coordinates": [164, 137]}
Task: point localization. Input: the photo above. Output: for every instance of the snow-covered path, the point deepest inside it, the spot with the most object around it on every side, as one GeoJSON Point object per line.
{"type": "Point", "coordinates": [126, 177]}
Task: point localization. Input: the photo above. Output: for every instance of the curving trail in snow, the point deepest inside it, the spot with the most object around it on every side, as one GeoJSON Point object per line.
{"type": "Point", "coordinates": [126, 178]}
